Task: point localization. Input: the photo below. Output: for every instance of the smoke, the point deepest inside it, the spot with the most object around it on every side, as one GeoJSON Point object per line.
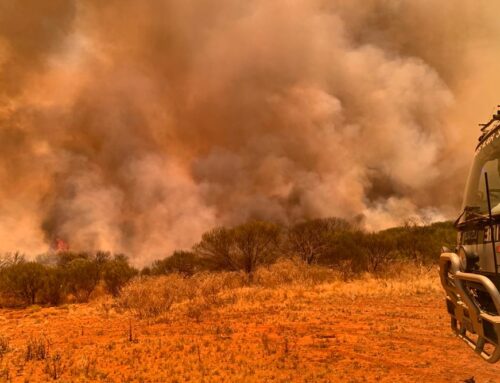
{"type": "Point", "coordinates": [136, 126]}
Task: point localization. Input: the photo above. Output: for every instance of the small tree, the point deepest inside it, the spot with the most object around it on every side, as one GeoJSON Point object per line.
{"type": "Point", "coordinates": [241, 248]}
{"type": "Point", "coordinates": [183, 262]}
{"type": "Point", "coordinates": [81, 277]}
{"type": "Point", "coordinates": [409, 241]}
{"type": "Point", "coordinates": [216, 247]}
{"type": "Point", "coordinates": [64, 258]}
{"type": "Point", "coordinates": [379, 250]}
{"type": "Point", "coordinates": [53, 285]}
{"type": "Point", "coordinates": [116, 273]}
{"type": "Point", "coordinates": [101, 258]}
{"type": "Point", "coordinates": [255, 243]}
{"type": "Point", "coordinates": [23, 280]}
{"type": "Point", "coordinates": [9, 259]}
{"type": "Point", "coordinates": [346, 249]}
{"type": "Point", "coordinates": [146, 271]}
{"type": "Point", "coordinates": [311, 239]}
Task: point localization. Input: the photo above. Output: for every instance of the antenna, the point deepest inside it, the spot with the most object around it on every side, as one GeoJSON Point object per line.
{"type": "Point", "coordinates": [495, 117]}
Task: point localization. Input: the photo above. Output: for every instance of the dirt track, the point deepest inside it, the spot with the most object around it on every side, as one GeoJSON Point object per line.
{"type": "Point", "coordinates": [282, 335]}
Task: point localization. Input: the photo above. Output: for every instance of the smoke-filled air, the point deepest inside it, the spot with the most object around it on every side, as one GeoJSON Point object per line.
{"type": "Point", "coordinates": [135, 126]}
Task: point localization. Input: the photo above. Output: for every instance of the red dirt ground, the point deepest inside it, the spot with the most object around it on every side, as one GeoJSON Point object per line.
{"type": "Point", "coordinates": [281, 335]}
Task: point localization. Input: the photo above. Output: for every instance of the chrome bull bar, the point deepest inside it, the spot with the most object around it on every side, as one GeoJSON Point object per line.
{"type": "Point", "coordinates": [467, 317]}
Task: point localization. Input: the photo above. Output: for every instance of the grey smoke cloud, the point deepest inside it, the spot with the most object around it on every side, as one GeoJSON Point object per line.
{"type": "Point", "coordinates": [136, 126]}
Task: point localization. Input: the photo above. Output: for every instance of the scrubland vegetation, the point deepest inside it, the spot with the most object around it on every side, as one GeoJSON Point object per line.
{"type": "Point", "coordinates": [320, 301]}
{"type": "Point", "coordinates": [329, 246]}
{"type": "Point", "coordinates": [292, 322]}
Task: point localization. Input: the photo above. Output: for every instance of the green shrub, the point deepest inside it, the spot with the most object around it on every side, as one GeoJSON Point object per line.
{"type": "Point", "coordinates": [345, 248]}
{"type": "Point", "coordinates": [216, 247]}
{"type": "Point", "coordinates": [240, 250]}
{"type": "Point", "coordinates": [243, 247]}
{"type": "Point", "coordinates": [9, 259]}
{"type": "Point", "coordinates": [64, 258]}
{"type": "Point", "coordinates": [255, 243]}
{"type": "Point", "coordinates": [53, 289]}
{"type": "Point", "coordinates": [378, 250]}
{"type": "Point", "coordinates": [23, 281]}
{"type": "Point", "coordinates": [116, 273]}
{"type": "Point", "coordinates": [182, 262]}
{"type": "Point", "coordinates": [81, 278]}
{"type": "Point", "coordinates": [312, 239]}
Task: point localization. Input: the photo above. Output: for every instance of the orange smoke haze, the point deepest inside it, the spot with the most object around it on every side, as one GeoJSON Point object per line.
{"type": "Point", "coordinates": [135, 126]}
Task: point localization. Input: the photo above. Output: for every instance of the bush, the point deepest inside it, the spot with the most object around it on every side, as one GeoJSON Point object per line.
{"type": "Point", "coordinates": [216, 247]}
{"type": "Point", "coordinates": [116, 273]}
{"type": "Point", "coordinates": [345, 249]}
{"type": "Point", "coordinates": [151, 297]}
{"type": "Point", "coordinates": [182, 262]}
{"type": "Point", "coordinates": [255, 243]}
{"type": "Point", "coordinates": [379, 250]}
{"type": "Point", "coordinates": [81, 278]}
{"type": "Point", "coordinates": [290, 271]}
{"type": "Point", "coordinates": [102, 258]}
{"type": "Point", "coordinates": [422, 244]}
{"type": "Point", "coordinates": [207, 286]}
{"type": "Point", "coordinates": [23, 281]}
{"type": "Point", "coordinates": [53, 287]}
{"type": "Point", "coordinates": [64, 258]}
{"type": "Point", "coordinates": [242, 248]}
{"type": "Point", "coordinates": [311, 240]}
{"type": "Point", "coordinates": [244, 252]}
{"type": "Point", "coordinates": [9, 259]}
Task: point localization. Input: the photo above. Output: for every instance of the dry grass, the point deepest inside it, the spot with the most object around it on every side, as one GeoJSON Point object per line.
{"type": "Point", "coordinates": [37, 348]}
{"type": "Point", "coordinates": [154, 296]}
{"type": "Point", "coordinates": [290, 323]}
{"type": "Point", "coordinates": [4, 346]}
{"type": "Point", "coordinates": [293, 272]}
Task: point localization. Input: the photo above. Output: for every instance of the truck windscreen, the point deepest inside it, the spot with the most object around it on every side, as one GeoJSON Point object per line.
{"type": "Point", "coordinates": [487, 160]}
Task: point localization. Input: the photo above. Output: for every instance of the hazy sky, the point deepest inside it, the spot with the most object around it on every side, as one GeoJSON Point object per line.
{"type": "Point", "coordinates": [135, 126]}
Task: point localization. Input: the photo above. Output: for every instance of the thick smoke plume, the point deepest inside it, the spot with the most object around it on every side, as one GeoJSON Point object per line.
{"type": "Point", "coordinates": [135, 126]}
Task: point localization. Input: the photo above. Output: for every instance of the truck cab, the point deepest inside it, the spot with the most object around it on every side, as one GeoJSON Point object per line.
{"type": "Point", "coordinates": [470, 273]}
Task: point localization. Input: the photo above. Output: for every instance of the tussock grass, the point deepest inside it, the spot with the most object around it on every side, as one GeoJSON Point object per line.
{"type": "Point", "coordinates": [293, 272]}
{"type": "Point", "coordinates": [154, 296]}
{"type": "Point", "coordinates": [4, 346]}
{"type": "Point", "coordinates": [37, 348]}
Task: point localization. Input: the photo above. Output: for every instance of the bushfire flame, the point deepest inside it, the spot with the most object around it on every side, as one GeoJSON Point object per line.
{"type": "Point", "coordinates": [60, 245]}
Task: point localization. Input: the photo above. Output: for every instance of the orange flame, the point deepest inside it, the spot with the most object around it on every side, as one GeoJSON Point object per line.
{"type": "Point", "coordinates": [60, 245]}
